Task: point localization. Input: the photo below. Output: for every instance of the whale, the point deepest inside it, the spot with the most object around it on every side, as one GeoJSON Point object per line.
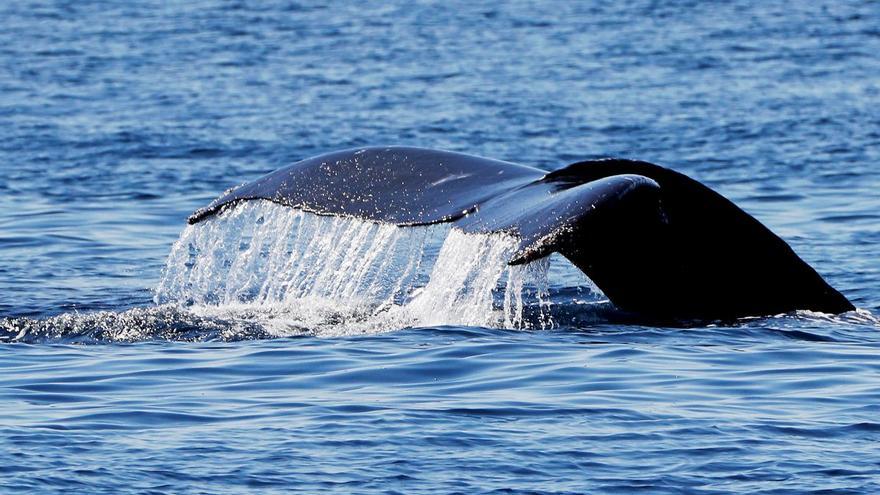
{"type": "Point", "coordinates": [656, 242]}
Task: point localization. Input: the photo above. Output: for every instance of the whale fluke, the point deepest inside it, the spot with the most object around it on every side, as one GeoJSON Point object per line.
{"type": "Point", "coordinates": [655, 241]}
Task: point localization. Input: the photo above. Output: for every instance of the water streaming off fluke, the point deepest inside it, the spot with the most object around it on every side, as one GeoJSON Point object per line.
{"type": "Point", "coordinates": [303, 273]}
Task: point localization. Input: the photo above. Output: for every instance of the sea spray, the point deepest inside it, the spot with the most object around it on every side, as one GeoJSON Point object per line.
{"type": "Point", "coordinates": [524, 283]}
{"type": "Point", "coordinates": [261, 253]}
{"type": "Point", "coordinates": [298, 272]}
{"type": "Point", "coordinates": [464, 280]}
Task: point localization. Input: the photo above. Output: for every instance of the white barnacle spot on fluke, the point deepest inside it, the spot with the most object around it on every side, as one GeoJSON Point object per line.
{"type": "Point", "coordinates": [449, 178]}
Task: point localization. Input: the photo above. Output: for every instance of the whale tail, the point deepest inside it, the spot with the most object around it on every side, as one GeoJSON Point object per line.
{"type": "Point", "coordinates": [673, 248]}
{"type": "Point", "coordinates": [655, 241]}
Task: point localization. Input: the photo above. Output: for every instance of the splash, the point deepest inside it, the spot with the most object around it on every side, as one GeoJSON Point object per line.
{"type": "Point", "coordinates": [468, 278]}
{"type": "Point", "coordinates": [262, 271]}
{"type": "Point", "coordinates": [261, 253]}
{"type": "Point", "coordinates": [296, 272]}
{"type": "Point", "coordinates": [166, 322]}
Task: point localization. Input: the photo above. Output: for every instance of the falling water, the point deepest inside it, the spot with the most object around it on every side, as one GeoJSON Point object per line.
{"type": "Point", "coordinates": [298, 272]}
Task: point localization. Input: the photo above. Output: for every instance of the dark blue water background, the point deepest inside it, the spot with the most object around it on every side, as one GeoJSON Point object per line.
{"type": "Point", "coordinates": [117, 119]}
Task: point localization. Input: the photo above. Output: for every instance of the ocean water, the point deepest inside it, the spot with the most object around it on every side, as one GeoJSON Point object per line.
{"type": "Point", "coordinates": [140, 355]}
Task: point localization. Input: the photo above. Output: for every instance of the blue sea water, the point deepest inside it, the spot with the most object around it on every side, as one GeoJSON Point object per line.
{"type": "Point", "coordinates": [118, 119]}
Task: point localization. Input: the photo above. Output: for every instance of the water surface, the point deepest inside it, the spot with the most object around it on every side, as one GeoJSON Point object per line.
{"type": "Point", "coordinates": [119, 119]}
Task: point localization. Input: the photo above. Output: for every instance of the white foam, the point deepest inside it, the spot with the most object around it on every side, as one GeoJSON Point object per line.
{"type": "Point", "coordinates": [297, 272]}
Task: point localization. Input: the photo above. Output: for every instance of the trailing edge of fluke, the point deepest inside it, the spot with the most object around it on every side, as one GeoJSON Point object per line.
{"type": "Point", "coordinates": [657, 242]}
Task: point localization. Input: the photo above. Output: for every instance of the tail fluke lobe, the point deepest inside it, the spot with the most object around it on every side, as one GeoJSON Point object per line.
{"type": "Point", "coordinates": [705, 259]}
{"type": "Point", "coordinates": [551, 217]}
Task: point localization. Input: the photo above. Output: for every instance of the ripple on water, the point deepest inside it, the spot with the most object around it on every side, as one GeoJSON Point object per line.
{"type": "Point", "coordinates": [121, 118]}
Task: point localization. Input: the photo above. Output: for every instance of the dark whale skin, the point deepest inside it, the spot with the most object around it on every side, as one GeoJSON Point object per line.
{"type": "Point", "coordinates": [658, 243]}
